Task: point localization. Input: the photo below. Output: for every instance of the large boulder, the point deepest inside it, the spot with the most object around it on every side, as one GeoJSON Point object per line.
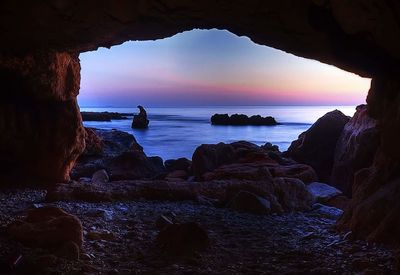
{"type": "Point", "coordinates": [355, 149]}
{"type": "Point", "coordinates": [207, 157]}
{"type": "Point", "coordinates": [322, 192]}
{"type": "Point", "coordinates": [48, 227]}
{"type": "Point", "coordinates": [119, 154]}
{"type": "Point", "coordinates": [316, 146]}
{"type": "Point", "coordinates": [132, 165]}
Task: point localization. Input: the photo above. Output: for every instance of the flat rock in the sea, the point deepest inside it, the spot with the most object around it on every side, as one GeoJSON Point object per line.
{"type": "Point", "coordinates": [240, 119]}
{"type": "Point", "coordinates": [102, 116]}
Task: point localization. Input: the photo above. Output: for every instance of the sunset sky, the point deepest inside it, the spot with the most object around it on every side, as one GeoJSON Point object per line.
{"type": "Point", "coordinates": [211, 67]}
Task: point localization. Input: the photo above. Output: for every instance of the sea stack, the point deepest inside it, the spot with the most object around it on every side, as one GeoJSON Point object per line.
{"type": "Point", "coordinates": [140, 121]}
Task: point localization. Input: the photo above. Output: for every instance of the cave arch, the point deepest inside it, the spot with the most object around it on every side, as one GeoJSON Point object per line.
{"type": "Point", "coordinates": [42, 40]}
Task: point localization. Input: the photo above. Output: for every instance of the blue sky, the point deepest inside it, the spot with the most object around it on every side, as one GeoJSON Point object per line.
{"type": "Point", "coordinates": [211, 67]}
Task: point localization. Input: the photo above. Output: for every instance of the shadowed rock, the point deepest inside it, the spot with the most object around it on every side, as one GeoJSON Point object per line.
{"type": "Point", "coordinates": [316, 146]}
{"type": "Point", "coordinates": [355, 149]}
{"type": "Point", "coordinates": [48, 227]}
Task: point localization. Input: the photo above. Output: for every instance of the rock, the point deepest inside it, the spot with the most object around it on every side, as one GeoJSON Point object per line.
{"type": "Point", "coordinates": [178, 164]}
{"type": "Point", "coordinates": [207, 157]}
{"type": "Point", "coordinates": [248, 202]}
{"type": "Point", "coordinates": [100, 176]}
{"type": "Point", "coordinates": [113, 143]}
{"type": "Point", "coordinates": [47, 227]}
{"type": "Point", "coordinates": [355, 149]}
{"type": "Point", "coordinates": [326, 212]}
{"type": "Point", "coordinates": [70, 251]}
{"type": "Point", "coordinates": [140, 121]}
{"type": "Point", "coordinates": [316, 146]}
{"type": "Point", "coordinates": [322, 192]}
{"type": "Point", "coordinates": [94, 145]}
{"type": "Point", "coordinates": [102, 116]}
{"type": "Point", "coordinates": [100, 235]}
{"type": "Point", "coordinates": [182, 239]}
{"type": "Point", "coordinates": [158, 163]}
{"type": "Point", "coordinates": [292, 194]}
{"type": "Point", "coordinates": [257, 120]}
{"type": "Point", "coordinates": [302, 172]}
{"type": "Point", "coordinates": [132, 165]}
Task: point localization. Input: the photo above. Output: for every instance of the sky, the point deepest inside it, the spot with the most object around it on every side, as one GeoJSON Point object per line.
{"type": "Point", "coordinates": [211, 67]}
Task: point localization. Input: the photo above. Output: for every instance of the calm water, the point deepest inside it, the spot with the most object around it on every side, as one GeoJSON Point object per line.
{"type": "Point", "coordinates": [176, 132]}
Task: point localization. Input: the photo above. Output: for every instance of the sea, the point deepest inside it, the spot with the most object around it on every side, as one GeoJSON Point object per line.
{"type": "Point", "coordinates": [176, 132]}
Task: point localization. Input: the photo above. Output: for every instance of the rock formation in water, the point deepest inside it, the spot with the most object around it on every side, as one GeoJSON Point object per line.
{"type": "Point", "coordinates": [316, 146]}
{"type": "Point", "coordinates": [140, 120]}
{"type": "Point", "coordinates": [257, 120]}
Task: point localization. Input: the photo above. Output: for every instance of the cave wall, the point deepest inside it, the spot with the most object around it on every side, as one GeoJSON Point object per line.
{"type": "Point", "coordinates": [375, 211]}
{"type": "Point", "coordinates": [40, 125]}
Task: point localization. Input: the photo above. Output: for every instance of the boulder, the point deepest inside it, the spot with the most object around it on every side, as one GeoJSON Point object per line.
{"type": "Point", "coordinates": [302, 172]}
{"type": "Point", "coordinates": [292, 194]}
{"type": "Point", "coordinates": [140, 120]}
{"type": "Point", "coordinates": [178, 164]}
{"type": "Point", "coordinates": [322, 192]}
{"type": "Point", "coordinates": [355, 149]}
{"type": "Point", "coordinates": [48, 227]}
{"type": "Point", "coordinates": [100, 176]}
{"type": "Point", "coordinates": [236, 119]}
{"type": "Point", "coordinates": [182, 239]}
{"type": "Point", "coordinates": [251, 203]}
{"type": "Point", "coordinates": [316, 146]}
{"type": "Point", "coordinates": [132, 165]}
{"type": "Point", "coordinates": [326, 212]}
{"type": "Point", "coordinates": [121, 157]}
{"type": "Point", "coordinates": [207, 157]}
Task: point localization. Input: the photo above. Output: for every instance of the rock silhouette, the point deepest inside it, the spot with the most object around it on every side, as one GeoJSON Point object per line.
{"type": "Point", "coordinates": [140, 121]}
{"type": "Point", "coordinates": [236, 119]}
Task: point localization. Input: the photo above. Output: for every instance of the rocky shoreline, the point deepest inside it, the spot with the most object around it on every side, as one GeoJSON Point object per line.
{"type": "Point", "coordinates": [103, 116]}
{"type": "Point", "coordinates": [125, 212]}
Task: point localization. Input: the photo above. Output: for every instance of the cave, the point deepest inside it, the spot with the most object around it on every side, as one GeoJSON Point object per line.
{"type": "Point", "coordinates": [42, 132]}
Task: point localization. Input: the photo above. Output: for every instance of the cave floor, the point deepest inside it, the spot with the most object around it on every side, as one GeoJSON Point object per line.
{"type": "Point", "coordinates": [298, 243]}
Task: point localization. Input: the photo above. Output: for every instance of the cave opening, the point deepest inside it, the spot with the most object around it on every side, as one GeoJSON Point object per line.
{"type": "Point", "coordinates": [183, 80]}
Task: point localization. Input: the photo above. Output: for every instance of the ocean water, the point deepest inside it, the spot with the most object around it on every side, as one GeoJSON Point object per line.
{"type": "Point", "coordinates": [176, 132]}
